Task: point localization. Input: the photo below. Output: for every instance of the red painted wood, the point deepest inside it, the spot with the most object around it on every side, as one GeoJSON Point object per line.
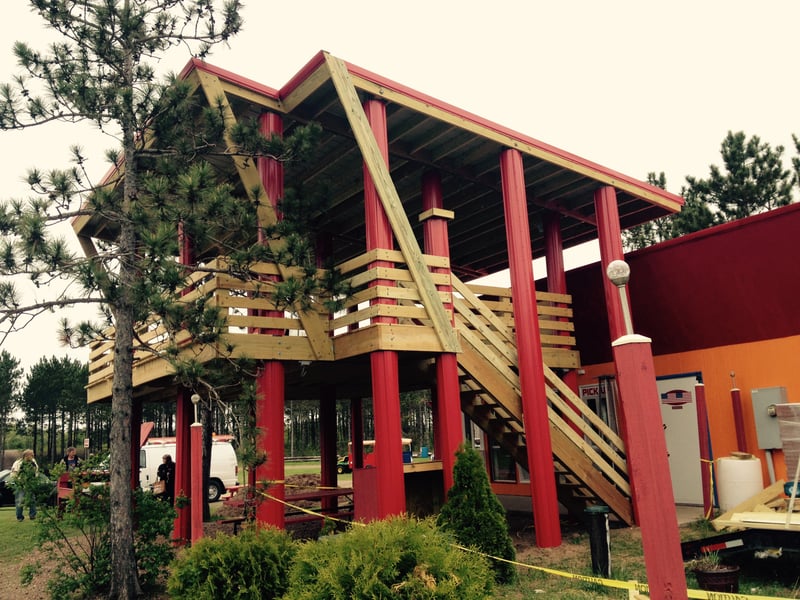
{"type": "Point", "coordinates": [447, 415]}
{"type": "Point", "coordinates": [388, 434]}
{"type": "Point", "coordinates": [557, 283]}
{"type": "Point", "coordinates": [183, 473]}
{"type": "Point", "coordinates": [197, 481]}
{"type": "Point", "coordinates": [648, 469]}
{"type": "Point", "coordinates": [270, 385]}
{"type": "Point", "coordinates": [610, 238]}
{"type": "Point", "coordinates": [738, 419]}
{"type": "Point", "coordinates": [531, 372]}
{"type": "Point", "coordinates": [327, 440]}
{"type": "Point", "coordinates": [705, 449]}
{"type": "Point", "coordinates": [384, 366]}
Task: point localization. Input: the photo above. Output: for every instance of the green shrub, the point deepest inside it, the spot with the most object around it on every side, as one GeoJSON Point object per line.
{"type": "Point", "coordinates": [393, 559]}
{"type": "Point", "coordinates": [75, 539]}
{"type": "Point", "coordinates": [253, 565]}
{"type": "Point", "coordinates": [474, 515]}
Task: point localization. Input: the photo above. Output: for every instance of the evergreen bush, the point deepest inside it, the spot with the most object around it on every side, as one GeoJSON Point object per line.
{"type": "Point", "coordinates": [251, 566]}
{"type": "Point", "coordinates": [397, 558]}
{"type": "Point", "coordinates": [474, 515]}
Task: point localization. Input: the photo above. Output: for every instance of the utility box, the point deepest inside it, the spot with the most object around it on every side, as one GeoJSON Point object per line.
{"type": "Point", "coordinates": [765, 415]}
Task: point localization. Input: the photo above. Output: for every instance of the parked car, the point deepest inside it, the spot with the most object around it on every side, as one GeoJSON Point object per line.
{"type": "Point", "coordinates": [7, 491]}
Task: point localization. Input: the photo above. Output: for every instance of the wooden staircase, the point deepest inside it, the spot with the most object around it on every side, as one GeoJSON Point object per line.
{"type": "Point", "coordinates": [588, 457]}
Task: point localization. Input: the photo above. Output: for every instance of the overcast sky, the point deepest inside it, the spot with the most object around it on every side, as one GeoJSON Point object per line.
{"type": "Point", "coordinates": [636, 86]}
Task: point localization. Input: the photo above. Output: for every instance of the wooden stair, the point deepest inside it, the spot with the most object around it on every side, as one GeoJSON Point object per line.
{"type": "Point", "coordinates": [588, 457]}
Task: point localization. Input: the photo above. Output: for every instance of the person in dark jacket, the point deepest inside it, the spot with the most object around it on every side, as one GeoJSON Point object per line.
{"type": "Point", "coordinates": [166, 473]}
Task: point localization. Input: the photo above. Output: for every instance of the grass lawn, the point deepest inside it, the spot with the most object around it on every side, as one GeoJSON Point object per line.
{"type": "Point", "coordinates": [18, 538]}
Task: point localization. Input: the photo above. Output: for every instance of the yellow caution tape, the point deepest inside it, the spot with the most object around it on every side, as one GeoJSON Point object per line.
{"type": "Point", "coordinates": [611, 583]}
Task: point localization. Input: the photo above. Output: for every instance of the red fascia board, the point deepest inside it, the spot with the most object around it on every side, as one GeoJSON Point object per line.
{"type": "Point", "coordinates": [306, 71]}
{"type": "Point", "coordinates": [467, 116]}
{"type": "Point", "coordinates": [318, 59]}
{"type": "Point", "coordinates": [230, 77]}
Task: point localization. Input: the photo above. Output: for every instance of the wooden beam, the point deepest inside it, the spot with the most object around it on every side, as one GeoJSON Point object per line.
{"type": "Point", "coordinates": [391, 203]}
{"type": "Point", "coordinates": [251, 179]}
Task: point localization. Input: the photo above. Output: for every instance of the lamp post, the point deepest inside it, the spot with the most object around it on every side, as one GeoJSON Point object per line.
{"type": "Point", "coordinates": [648, 466]}
{"type": "Point", "coordinates": [196, 472]}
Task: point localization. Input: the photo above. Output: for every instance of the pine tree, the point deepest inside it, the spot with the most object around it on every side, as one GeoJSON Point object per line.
{"type": "Point", "coordinates": [474, 515]}
{"type": "Point", "coordinates": [164, 180]}
{"type": "Point", "coordinates": [754, 179]}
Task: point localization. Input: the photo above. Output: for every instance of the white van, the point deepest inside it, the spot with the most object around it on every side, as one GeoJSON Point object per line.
{"type": "Point", "coordinates": [224, 466]}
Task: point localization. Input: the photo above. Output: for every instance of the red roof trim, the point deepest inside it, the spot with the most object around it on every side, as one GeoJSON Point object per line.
{"type": "Point", "coordinates": [319, 58]}
{"type": "Point", "coordinates": [463, 114]}
{"type": "Point", "coordinates": [228, 76]}
{"type": "Point", "coordinates": [312, 65]}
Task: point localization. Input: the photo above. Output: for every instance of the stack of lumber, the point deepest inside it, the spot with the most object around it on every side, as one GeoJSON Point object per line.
{"type": "Point", "coordinates": [765, 510]}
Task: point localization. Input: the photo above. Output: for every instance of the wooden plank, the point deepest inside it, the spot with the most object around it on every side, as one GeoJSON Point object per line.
{"type": "Point", "coordinates": [560, 358]}
{"type": "Point", "coordinates": [591, 477]}
{"type": "Point", "coordinates": [387, 336]}
{"type": "Point", "coordinates": [493, 339]}
{"type": "Point", "coordinates": [251, 180]}
{"type": "Point", "coordinates": [555, 158]}
{"type": "Point", "coordinates": [495, 382]}
{"type": "Point", "coordinates": [308, 86]}
{"type": "Point", "coordinates": [766, 495]}
{"type": "Point", "coordinates": [477, 303]}
{"type": "Point", "coordinates": [564, 390]}
{"type": "Point", "coordinates": [392, 205]}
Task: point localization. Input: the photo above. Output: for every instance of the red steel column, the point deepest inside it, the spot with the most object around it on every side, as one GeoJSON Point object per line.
{"type": "Point", "coordinates": [529, 352]}
{"type": "Point", "coordinates": [738, 419]}
{"type": "Point", "coordinates": [705, 449]}
{"type": "Point", "coordinates": [557, 284]}
{"type": "Point", "coordinates": [447, 413]}
{"type": "Point", "coordinates": [270, 384]}
{"type": "Point", "coordinates": [197, 480]}
{"type": "Point", "coordinates": [181, 532]}
{"type": "Point", "coordinates": [610, 238]}
{"type": "Point", "coordinates": [327, 442]}
{"type": "Point", "coordinates": [648, 466]}
{"type": "Point", "coordinates": [269, 421]}
{"type": "Point", "coordinates": [385, 377]}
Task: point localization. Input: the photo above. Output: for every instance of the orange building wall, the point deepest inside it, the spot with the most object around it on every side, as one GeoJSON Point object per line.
{"type": "Point", "coordinates": [761, 364]}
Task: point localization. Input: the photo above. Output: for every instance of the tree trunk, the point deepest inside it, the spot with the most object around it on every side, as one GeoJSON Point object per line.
{"type": "Point", "coordinates": [124, 574]}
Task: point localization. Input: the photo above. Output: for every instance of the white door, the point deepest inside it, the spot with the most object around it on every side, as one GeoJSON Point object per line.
{"type": "Point", "coordinates": [679, 415]}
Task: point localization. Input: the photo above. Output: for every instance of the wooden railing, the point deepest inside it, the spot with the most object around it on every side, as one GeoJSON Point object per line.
{"type": "Point", "coordinates": [384, 312]}
{"type": "Point", "coordinates": [590, 453]}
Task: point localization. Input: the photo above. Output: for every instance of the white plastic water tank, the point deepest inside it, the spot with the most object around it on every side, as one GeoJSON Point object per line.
{"type": "Point", "coordinates": [738, 478]}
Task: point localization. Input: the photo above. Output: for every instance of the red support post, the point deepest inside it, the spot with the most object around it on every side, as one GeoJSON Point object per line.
{"type": "Point", "coordinates": [447, 415]}
{"type": "Point", "coordinates": [557, 284]}
{"type": "Point", "coordinates": [384, 365]}
{"type": "Point", "coordinates": [270, 383]}
{"type": "Point", "coordinates": [529, 352]}
{"type": "Point", "coordinates": [327, 441]}
{"type": "Point", "coordinates": [610, 238]}
{"type": "Point", "coordinates": [738, 419]}
{"type": "Point", "coordinates": [357, 433]}
{"type": "Point", "coordinates": [706, 463]}
{"type": "Point", "coordinates": [270, 386]}
{"type": "Point", "coordinates": [197, 481]}
{"type": "Point", "coordinates": [181, 531]}
{"type": "Point", "coordinates": [648, 468]}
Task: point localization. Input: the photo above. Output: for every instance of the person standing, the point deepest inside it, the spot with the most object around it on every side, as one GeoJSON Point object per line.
{"type": "Point", "coordinates": [71, 459]}
{"type": "Point", "coordinates": [166, 473]}
{"type": "Point", "coordinates": [25, 472]}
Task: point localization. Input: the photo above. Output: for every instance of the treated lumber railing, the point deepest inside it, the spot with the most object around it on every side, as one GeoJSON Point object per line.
{"type": "Point", "coordinates": [590, 456]}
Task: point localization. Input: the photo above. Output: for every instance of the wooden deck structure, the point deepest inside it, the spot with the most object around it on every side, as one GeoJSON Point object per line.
{"type": "Point", "coordinates": [443, 183]}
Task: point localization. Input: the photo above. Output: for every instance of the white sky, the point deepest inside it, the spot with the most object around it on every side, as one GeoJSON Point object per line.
{"type": "Point", "coordinates": [636, 86]}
